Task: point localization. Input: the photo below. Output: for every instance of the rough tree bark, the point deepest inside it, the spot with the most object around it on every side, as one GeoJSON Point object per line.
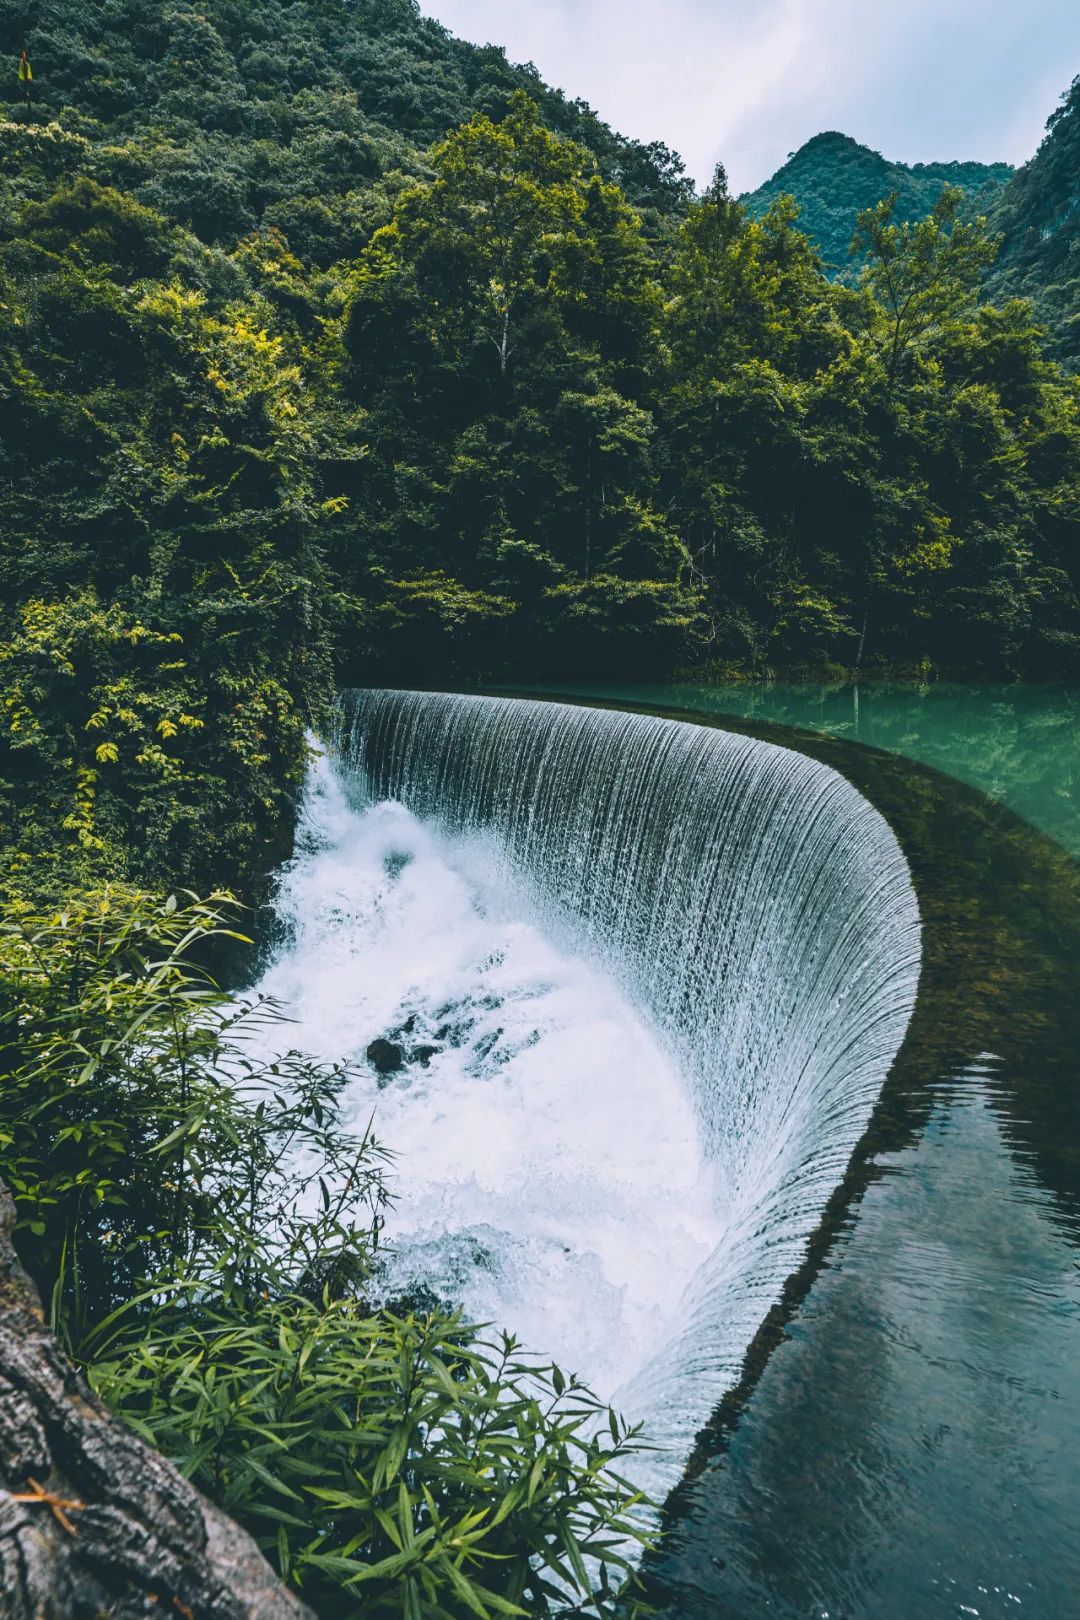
{"type": "Point", "coordinates": [94, 1524]}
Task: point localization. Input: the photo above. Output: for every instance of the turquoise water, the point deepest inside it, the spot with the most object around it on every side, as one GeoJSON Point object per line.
{"type": "Point", "coordinates": [1018, 744]}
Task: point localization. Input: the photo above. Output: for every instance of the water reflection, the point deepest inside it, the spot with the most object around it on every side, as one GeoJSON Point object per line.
{"type": "Point", "coordinates": [912, 1447]}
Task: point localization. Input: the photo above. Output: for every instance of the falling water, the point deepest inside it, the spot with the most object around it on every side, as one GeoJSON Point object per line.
{"type": "Point", "coordinates": [652, 975]}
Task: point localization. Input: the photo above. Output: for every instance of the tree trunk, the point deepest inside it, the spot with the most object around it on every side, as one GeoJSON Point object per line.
{"type": "Point", "coordinates": [95, 1524]}
{"type": "Point", "coordinates": [504, 344]}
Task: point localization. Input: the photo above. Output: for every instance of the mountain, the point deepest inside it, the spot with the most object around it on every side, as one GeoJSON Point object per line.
{"type": "Point", "coordinates": [832, 177]}
{"type": "Point", "coordinates": [1038, 216]}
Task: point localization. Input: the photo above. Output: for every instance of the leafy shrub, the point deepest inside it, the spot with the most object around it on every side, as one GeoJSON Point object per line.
{"type": "Point", "coordinates": [100, 226]}
{"type": "Point", "coordinates": [38, 155]}
{"type": "Point", "coordinates": [139, 1131]}
{"type": "Point", "coordinates": [391, 1464]}
{"type": "Point", "coordinates": [204, 1231]}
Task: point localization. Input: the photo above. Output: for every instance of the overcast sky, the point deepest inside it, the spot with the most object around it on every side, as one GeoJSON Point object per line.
{"type": "Point", "coordinates": [745, 82]}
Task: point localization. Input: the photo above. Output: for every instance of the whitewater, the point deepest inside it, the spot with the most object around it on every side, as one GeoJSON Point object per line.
{"type": "Point", "coordinates": [645, 980]}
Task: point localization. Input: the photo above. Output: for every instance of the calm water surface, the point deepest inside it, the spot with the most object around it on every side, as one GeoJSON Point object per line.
{"type": "Point", "coordinates": [905, 1442]}
{"type": "Point", "coordinates": [912, 1446]}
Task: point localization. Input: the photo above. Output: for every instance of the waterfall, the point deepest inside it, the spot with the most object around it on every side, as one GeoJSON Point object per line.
{"type": "Point", "coordinates": [743, 903]}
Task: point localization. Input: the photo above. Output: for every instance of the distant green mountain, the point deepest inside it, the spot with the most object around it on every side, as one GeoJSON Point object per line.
{"type": "Point", "coordinates": [1038, 216]}
{"type": "Point", "coordinates": [832, 177]}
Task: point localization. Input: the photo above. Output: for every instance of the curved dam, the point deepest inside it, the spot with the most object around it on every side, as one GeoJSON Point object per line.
{"type": "Point", "coordinates": [681, 958]}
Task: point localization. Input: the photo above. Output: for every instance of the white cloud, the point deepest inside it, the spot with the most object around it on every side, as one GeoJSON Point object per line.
{"type": "Point", "coordinates": [746, 81]}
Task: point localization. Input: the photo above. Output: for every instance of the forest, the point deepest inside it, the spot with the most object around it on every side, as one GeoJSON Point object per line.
{"type": "Point", "coordinates": [333, 346]}
{"type": "Point", "coordinates": [333, 350]}
{"type": "Point", "coordinates": [833, 178]}
{"type": "Point", "coordinates": [1031, 213]}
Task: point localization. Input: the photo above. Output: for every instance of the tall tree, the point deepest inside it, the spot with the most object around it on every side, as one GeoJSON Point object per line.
{"type": "Point", "coordinates": [922, 273]}
{"type": "Point", "coordinates": [501, 336]}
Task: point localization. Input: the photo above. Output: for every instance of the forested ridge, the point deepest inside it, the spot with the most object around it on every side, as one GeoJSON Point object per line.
{"type": "Point", "coordinates": [1038, 218]}
{"type": "Point", "coordinates": [335, 349]}
{"type": "Point", "coordinates": [1033, 212]}
{"type": "Point", "coordinates": [332, 347]}
{"type": "Point", "coordinates": [833, 178]}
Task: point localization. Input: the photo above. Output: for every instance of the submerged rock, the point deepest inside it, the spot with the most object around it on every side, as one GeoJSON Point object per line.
{"type": "Point", "coordinates": [385, 1057]}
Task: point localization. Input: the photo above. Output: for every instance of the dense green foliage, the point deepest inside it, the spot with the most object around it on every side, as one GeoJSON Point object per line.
{"type": "Point", "coordinates": [889, 472]}
{"type": "Point", "coordinates": [502, 336]}
{"type": "Point", "coordinates": [181, 207]}
{"type": "Point", "coordinates": [165, 641]}
{"type": "Point", "coordinates": [1034, 211]}
{"type": "Point", "coordinates": [1038, 216]}
{"type": "Point", "coordinates": [331, 347]}
{"type": "Point", "coordinates": [833, 178]}
{"type": "Point", "coordinates": [204, 1232]}
{"type": "Point", "coordinates": [307, 115]}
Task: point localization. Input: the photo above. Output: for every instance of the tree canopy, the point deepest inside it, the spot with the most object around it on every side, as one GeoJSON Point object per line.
{"type": "Point", "coordinates": [334, 348]}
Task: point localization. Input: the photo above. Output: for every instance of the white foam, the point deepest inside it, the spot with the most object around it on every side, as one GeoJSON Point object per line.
{"type": "Point", "coordinates": [550, 1173]}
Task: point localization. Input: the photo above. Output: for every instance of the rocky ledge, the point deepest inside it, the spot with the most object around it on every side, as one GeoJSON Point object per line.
{"type": "Point", "coordinates": [95, 1524]}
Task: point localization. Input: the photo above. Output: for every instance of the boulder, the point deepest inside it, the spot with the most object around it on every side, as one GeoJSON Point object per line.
{"type": "Point", "coordinates": [385, 1057]}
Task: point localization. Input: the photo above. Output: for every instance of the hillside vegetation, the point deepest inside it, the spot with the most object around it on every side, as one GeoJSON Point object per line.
{"type": "Point", "coordinates": [1038, 217]}
{"type": "Point", "coordinates": [1034, 213]}
{"type": "Point", "coordinates": [833, 178]}
{"type": "Point", "coordinates": [331, 347]}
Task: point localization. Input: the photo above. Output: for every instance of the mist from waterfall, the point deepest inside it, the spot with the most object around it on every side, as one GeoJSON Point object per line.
{"type": "Point", "coordinates": [646, 979]}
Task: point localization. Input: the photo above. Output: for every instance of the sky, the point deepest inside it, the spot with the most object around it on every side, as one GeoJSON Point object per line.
{"type": "Point", "coordinates": [746, 82]}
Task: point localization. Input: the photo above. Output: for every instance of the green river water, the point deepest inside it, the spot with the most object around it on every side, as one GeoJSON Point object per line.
{"type": "Point", "coordinates": [1019, 745]}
